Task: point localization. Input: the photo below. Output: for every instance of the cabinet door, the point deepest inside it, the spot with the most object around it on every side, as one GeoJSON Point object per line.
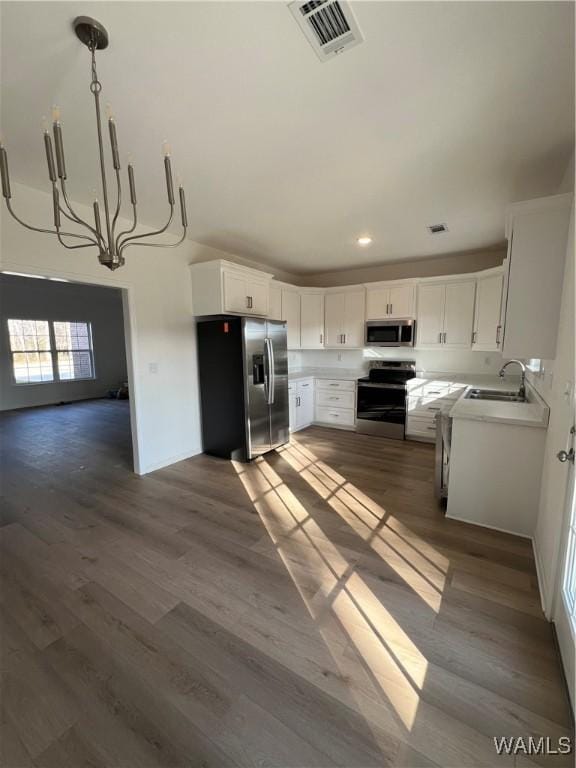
{"type": "Point", "coordinates": [291, 314]}
{"type": "Point", "coordinates": [430, 320]}
{"type": "Point", "coordinates": [333, 320]}
{"type": "Point", "coordinates": [306, 403]}
{"type": "Point", "coordinates": [235, 295]}
{"type": "Point", "coordinates": [487, 313]}
{"type": "Point", "coordinates": [377, 303]}
{"type": "Point", "coordinates": [274, 302]}
{"type": "Point", "coordinates": [459, 314]}
{"type": "Point", "coordinates": [401, 301]}
{"type": "Point", "coordinates": [354, 314]}
{"type": "Point", "coordinates": [257, 297]}
{"type": "Point", "coordinates": [312, 320]}
{"type": "Point", "coordinates": [292, 407]}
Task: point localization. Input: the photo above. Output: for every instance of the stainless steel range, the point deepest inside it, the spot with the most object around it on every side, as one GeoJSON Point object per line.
{"type": "Point", "coordinates": [381, 401]}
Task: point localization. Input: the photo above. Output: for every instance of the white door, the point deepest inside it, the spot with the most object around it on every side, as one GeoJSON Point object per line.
{"type": "Point", "coordinates": [430, 320]}
{"type": "Point", "coordinates": [377, 303]}
{"type": "Point", "coordinates": [401, 301]}
{"type": "Point", "coordinates": [459, 314]}
{"type": "Point", "coordinates": [274, 302]}
{"type": "Point", "coordinates": [487, 313]}
{"type": "Point", "coordinates": [235, 296]}
{"type": "Point", "coordinates": [312, 320]}
{"type": "Point", "coordinates": [333, 319]}
{"type": "Point", "coordinates": [306, 403]}
{"type": "Point", "coordinates": [291, 314]}
{"type": "Point", "coordinates": [257, 297]}
{"type": "Point", "coordinates": [354, 314]}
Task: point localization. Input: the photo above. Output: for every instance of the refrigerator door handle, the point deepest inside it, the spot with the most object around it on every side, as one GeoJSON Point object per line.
{"type": "Point", "coordinates": [270, 371]}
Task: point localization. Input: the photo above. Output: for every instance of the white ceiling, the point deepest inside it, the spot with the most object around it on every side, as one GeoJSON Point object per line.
{"type": "Point", "coordinates": [447, 111]}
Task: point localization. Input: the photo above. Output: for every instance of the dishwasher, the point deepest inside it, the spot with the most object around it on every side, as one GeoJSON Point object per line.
{"type": "Point", "coordinates": [442, 462]}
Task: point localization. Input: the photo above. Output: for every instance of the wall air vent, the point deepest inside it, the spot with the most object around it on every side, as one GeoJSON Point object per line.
{"type": "Point", "coordinates": [436, 229]}
{"type": "Point", "coordinates": [329, 25]}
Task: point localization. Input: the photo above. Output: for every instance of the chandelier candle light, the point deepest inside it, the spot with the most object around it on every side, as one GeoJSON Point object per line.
{"type": "Point", "coordinates": [111, 245]}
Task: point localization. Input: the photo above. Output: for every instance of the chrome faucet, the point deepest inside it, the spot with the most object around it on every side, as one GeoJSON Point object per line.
{"type": "Point", "coordinates": [522, 389]}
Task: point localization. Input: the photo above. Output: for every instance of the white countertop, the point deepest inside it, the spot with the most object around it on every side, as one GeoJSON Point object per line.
{"type": "Point", "coordinates": [347, 374]}
{"type": "Point", "coordinates": [534, 413]}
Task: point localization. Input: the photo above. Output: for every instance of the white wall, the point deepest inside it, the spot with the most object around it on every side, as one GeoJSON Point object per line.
{"type": "Point", "coordinates": [557, 387]}
{"type": "Point", "coordinates": [164, 404]}
{"type": "Point", "coordinates": [441, 361]}
{"type": "Point", "coordinates": [27, 298]}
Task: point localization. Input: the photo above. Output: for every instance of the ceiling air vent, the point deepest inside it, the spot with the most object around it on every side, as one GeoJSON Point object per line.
{"type": "Point", "coordinates": [329, 25]}
{"type": "Point", "coordinates": [436, 229]}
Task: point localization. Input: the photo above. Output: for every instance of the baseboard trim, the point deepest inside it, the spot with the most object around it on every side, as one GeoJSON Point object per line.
{"type": "Point", "coordinates": [542, 586]}
{"type": "Point", "coordinates": [169, 461]}
{"type": "Point", "coordinates": [490, 527]}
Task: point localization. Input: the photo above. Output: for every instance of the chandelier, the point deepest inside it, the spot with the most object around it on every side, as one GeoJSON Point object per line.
{"type": "Point", "coordinates": [99, 234]}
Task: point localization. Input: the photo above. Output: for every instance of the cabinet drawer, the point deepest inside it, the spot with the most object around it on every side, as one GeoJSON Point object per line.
{"type": "Point", "coordinates": [331, 384]}
{"type": "Point", "coordinates": [333, 397]}
{"type": "Point", "coordinates": [426, 407]}
{"type": "Point", "coordinates": [421, 427]}
{"type": "Point", "coordinates": [328, 415]}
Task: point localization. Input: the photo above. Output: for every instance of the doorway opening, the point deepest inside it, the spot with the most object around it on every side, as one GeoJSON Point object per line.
{"type": "Point", "coordinates": [65, 397]}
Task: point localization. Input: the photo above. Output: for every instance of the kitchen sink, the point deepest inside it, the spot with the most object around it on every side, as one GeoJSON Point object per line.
{"type": "Point", "coordinates": [505, 396]}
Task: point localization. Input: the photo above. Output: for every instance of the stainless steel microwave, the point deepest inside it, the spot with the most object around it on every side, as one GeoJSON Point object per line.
{"type": "Point", "coordinates": [390, 333]}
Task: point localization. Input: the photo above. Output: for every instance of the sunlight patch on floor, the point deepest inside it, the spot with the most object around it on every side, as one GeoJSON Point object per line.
{"type": "Point", "coordinates": [346, 611]}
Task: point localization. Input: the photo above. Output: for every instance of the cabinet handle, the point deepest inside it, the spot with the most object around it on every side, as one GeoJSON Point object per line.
{"type": "Point", "coordinates": [344, 342]}
{"type": "Point", "coordinates": [498, 329]}
{"type": "Point", "coordinates": [391, 309]}
{"type": "Point", "coordinates": [334, 385]}
{"type": "Point", "coordinates": [321, 338]}
{"type": "Point", "coordinates": [249, 302]}
{"type": "Point", "coordinates": [297, 402]}
{"type": "Point", "coordinates": [444, 337]}
{"type": "Point", "coordinates": [474, 337]}
{"type": "Point", "coordinates": [440, 338]}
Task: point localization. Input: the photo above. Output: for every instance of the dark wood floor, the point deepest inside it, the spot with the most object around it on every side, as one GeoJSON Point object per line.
{"type": "Point", "coordinates": [311, 609]}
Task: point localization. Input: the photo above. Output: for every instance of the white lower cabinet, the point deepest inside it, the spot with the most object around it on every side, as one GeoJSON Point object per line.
{"type": "Point", "coordinates": [301, 403]}
{"type": "Point", "coordinates": [425, 399]}
{"type": "Point", "coordinates": [335, 403]}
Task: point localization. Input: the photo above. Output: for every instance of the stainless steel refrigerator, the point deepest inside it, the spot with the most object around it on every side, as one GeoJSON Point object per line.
{"type": "Point", "coordinates": [243, 370]}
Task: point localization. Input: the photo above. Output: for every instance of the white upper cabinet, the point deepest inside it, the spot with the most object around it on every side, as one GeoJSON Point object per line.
{"type": "Point", "coordinates": [333, 320]}
{"type": "Point", "coordinates": [445, 314]}
{"type": "Point", "coordinates": [344, 317]}
{"type": "Point", "coordinates": [312, 320]}
{"type": "Point", "coordinates": [274, 301]}
{"type": "Point", "coordinates": [487, 326]}
{"type": "Point", "coordinates": [537, 232]}
{"type": "Point", "coordinates": [354, 318]}
{"type": "Point", "coordinates": [220, 287]}
{"type": "Point", "coordinates": [390, 301]}
{"type": "Point", "coordinates": [459, 314]}
{"type": "Point", "coordinates": [291, 314]}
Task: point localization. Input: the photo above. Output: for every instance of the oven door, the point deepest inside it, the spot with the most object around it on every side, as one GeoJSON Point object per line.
{"type": "Point", "coordinates": [381, 409]}
{"type": "Point", "coordinates": [389, 333]}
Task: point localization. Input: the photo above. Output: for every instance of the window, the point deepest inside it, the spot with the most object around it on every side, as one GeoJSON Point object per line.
{"type": "Point", "coordinates": [44, 351]}
{"type": "Point", "coordinates": [31, 351]}
{"type": "Point", "coordinates": [73, 351]}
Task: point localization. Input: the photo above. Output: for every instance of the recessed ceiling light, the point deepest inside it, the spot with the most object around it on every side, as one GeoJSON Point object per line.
{"type": "Point", "coordinates": [364, 241]}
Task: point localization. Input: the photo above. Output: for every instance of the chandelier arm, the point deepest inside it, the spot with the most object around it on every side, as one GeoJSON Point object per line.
{"type": "Point", "coordinates": [151, 234]}
{"type": "Point", "coordinates": [118, 202]}
{"type": "Point", "coordinates": [47, 231]}
{"type": "Point", "coordinates": [73, 247]}
{"type": "Point", "coordinates": [72, 216]}
{"type": "Point", "coordinates": [132, 228]}
{"type": "Point", "coordinates": [157, 245]}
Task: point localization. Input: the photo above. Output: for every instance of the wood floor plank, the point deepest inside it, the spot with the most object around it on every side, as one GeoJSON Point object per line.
{"type": "Point", "coordinates": [313, 608]}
